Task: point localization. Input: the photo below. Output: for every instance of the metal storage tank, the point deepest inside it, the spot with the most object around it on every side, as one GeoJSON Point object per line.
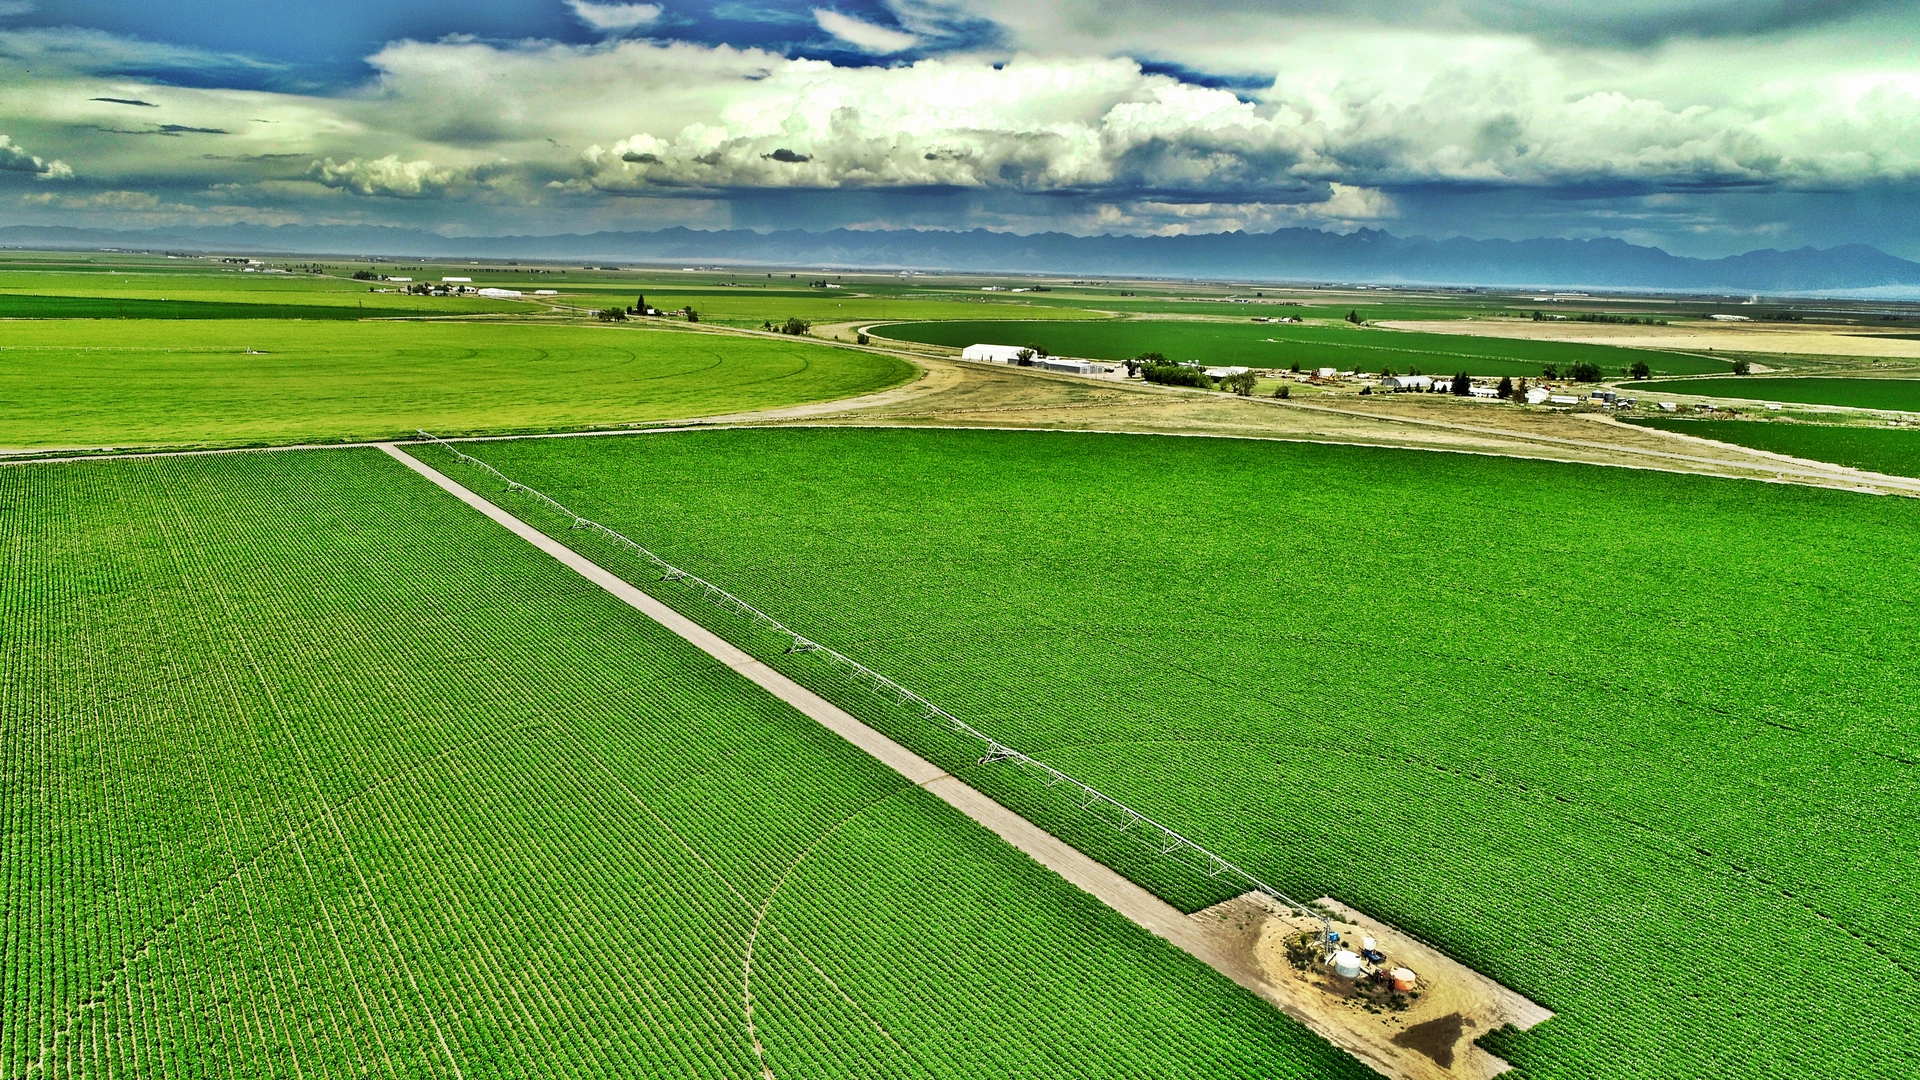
{"type": "Point", "coordinates": [1346, 965]}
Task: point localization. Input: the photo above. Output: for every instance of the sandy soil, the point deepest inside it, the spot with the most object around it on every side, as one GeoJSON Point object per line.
{"type": "Point", "coordinates": [1431, 1039]}
{"type": "Point", "coordinates": [1689, 337]}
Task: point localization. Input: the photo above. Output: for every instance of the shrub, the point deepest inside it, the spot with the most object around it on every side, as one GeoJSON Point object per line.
{"type": "Point", "coordinates": [862, 339]}
{"type": "Point", "coordinates": [1283, 391]}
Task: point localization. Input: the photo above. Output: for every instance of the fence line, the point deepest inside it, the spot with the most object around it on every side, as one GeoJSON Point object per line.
{"type": "Point", "coordinates": [1103, 807]}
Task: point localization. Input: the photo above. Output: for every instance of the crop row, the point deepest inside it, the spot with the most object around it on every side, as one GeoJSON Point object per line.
{"type": "Point", "coordinates": [310, 771]}
{"type": "Point", "coordinates": [1637, 745]}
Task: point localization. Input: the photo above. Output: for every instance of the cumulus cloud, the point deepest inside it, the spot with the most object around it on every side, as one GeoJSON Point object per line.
{"type": "Point", "coordinates": [1167, 26]}
{"type": "Point", "coordinates": [14, 158]}
{"type": "Point", "coordinates": [16, 7]}
{"type": "Point", "coordinates": [1086, 125]}
{"type": "Point", "coordinates": [389, 176]}
{"type": "Point", "coordinates": [615, 17]}
{"type": "Point", "coordinates": [862, 35]}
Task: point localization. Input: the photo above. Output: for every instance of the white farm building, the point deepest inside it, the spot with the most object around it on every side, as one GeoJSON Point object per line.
{"type": "Point", "coordinates": [992, 354]}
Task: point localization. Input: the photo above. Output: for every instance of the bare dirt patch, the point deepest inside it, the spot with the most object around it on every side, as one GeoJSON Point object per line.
{"type": "Point", "coordinates": [1424, 1034]}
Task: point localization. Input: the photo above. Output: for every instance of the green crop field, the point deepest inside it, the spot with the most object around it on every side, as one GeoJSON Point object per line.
{"type": "Point", "coordinates": [1639, 745]}
{"type": "Point", "coordinates": [1271, 345]}
{"type": "Point", "coordinates": [65, 293]}
{"type": "Point", "coordinates": [1895, 451]}
{"type": "Point", "coordinates": [1903, 394]}
{"type": "Point", "coordinates": [237, 382]}
{"type": "Point", "coordinates": [310, 771]}
{"type": "Point", "coordinates": [23, 306]}
{"type": "Point", "coordinates": [751, 307]}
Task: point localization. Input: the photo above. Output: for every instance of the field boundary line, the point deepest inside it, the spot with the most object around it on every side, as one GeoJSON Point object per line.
{"type": "Point", "coordinates": [1130, 901]}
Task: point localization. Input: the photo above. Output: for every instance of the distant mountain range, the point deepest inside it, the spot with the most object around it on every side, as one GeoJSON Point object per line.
{"type": "Point", "coordinates": [1291, 255]}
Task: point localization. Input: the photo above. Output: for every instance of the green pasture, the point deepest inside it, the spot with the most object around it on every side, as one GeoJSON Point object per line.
{"type": "Point", "coordinates": [1903, 394]}
{"type": "Point", "coordinates": [1281, 345]}
{"type": "Point", "coordinates": [1638, 745]}
{"type": "Point", "coordinates": [311, 770]}
{"type": "Point", "coordinates": [236, 382]}
{"type": "Point", "coordinates": [19, 306]}
{"type": "Point", "coordinates": [1895, 451]}
{"type": "Point", "coordinates": [107, 292]}
{"type": "Point", "coordinates": [750, 307]}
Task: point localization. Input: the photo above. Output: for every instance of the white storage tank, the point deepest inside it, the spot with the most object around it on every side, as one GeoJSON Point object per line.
{"type": "Point", "coordinates": [1346, 965]}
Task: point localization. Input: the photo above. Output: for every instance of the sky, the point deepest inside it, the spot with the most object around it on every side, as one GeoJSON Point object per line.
{"type": "Point", "coordinates": [1706, 127]}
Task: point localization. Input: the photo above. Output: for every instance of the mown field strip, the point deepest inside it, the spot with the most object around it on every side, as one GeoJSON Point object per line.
{"type": "Point", "coordinates": [1136, 904]}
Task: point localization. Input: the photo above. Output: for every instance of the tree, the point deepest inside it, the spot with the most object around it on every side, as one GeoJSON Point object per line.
{"type": "Point", "coordinates": [1176, 375]}
{"type": "Point", "coordinates": [1741, 367]}
{"type": "Point", "coordinates": [1386, 373]}
{"type": "Point", "coordinates": [1640, 370]}
{"type": "Point", "coordinates": [862, 339]}
{"type": "Point", "coordinates": [1463, 385]}
{"type": "Point", "coordinates": [1023, 358]}
{"type": "Point", "coordinates": [1295, 368]}
{"type": "Point", "coordinates": [1549, 371]}
{"type": "Point", "coordinates": [1240, 382]}
{"type": "Point", "coordinates": [1506, 387]}
{"type": "Point", "coordinates": [1520, 393]}
{"type": "Point", "coordinates": [795, 326]}
{"type": "Point", "coordinates": [640, 303]}
{"type": "Point", "coordinates": [1283, 391]}
{"type": "Point", "coordinates": [692, 315]}
{"type": "Point", "coordinates": [1354, 317]}
{"type": "Point", "coordinates": [612, 314]}
{"type": "Point", "coordinates": [1145, 359]}
{"type": "Point", "coordinates": [365, 275]}
{"type": "Point", "coordinates": [1586, 371]}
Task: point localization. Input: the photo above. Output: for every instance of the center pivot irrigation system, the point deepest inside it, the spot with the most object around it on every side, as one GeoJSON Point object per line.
{"type": "Point", "coordinates": [1121, 817]}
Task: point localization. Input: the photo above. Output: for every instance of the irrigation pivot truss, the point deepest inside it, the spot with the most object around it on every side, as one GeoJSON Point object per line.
{"type": "Point", "coordinates": [1121, 817]}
